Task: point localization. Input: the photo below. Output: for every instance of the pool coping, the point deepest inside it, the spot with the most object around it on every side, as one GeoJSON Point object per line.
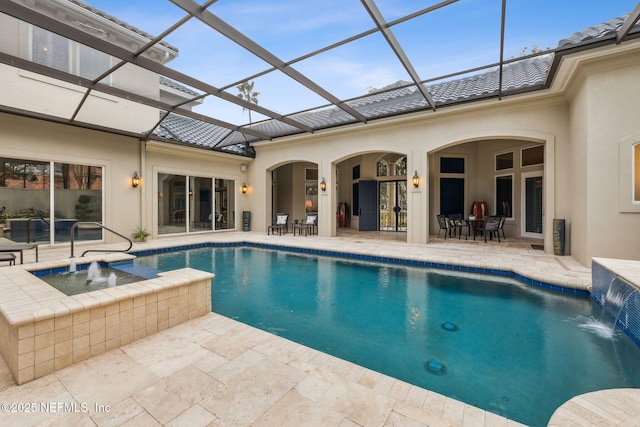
{"type": "Point", "coordinates": [43, 330]}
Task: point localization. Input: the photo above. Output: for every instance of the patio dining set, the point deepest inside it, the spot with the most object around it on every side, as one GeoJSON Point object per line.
{"type": "Point", "coordinates": [489, 226]}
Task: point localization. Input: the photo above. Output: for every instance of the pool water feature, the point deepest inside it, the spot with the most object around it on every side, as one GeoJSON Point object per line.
{"type": "Point", "coordinates": [493, 342]}
{"type": "Point", "coordinates": [79, 279]}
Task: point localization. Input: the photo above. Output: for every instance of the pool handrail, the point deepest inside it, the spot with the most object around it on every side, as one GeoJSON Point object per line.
{"type": "Point", "coordinates": [75, 226]}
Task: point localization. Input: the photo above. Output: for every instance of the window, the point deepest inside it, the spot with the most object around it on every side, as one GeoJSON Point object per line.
{"type": "Point", "coordinates": [355, 172]}
{"type": "Point", "coordinates": [311, 191]}
{"type": "Point", "coordinates": [533, 156]}
{"type": "Point", "coordinates": [629, 174]}
{"type": "Point", "coordinates": [27, 189]}
{"type": "Point", "coordinates": [392, 165]}
{"type": "Point", "coordinates": [50, 49]}
{"type": "Point", "coordinates": [57, 52]}
{"type": "Point", "coordinates": [504, 195]}
{"type": "Point", "coordinates": [451, 165]}
{"type": "Point", "coordinates": [504, 161]}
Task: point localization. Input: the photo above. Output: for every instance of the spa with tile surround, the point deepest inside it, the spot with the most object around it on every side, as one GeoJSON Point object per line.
{"type": "Point", "coordinates": [43, 330]}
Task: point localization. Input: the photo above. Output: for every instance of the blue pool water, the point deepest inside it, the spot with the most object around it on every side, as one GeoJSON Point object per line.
{"type": "Point", "coordinates": [509, 348]}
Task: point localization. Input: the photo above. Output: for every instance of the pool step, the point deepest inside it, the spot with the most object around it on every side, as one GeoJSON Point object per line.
{"type": "Point", "coordinates": [137, 270]}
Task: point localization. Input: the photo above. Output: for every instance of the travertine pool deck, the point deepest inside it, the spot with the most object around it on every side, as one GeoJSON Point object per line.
{"type": "Point", "coordinates": [214, 371]}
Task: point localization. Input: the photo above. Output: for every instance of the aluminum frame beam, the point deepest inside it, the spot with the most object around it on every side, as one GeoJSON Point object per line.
{"type": "Point", "coordinates": [237, 37]}
{"type": "Point", "coordinates": [28, 15]}
{"type": "Point", "coordinates": [383, 27]}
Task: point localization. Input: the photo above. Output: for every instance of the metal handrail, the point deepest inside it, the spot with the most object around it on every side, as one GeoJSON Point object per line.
{"type": "Point", "coordinates": [29, 227]}
{"type": "Point", "coordinates": [75, 226]}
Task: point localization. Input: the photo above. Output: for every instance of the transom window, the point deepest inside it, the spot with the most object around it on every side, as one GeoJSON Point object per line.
{"type": "Point", "coordinates": [392, 165]}
{"type": "Point", "coordinates": [504, 161]}
{"type": "Point", "coordinates": [533, 156]}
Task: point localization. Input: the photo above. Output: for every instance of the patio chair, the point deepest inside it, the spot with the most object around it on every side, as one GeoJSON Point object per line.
{"type": "Point", "coordinates": [445, 225]}
{"type": "Point", "coordinates": [491, 227]}
{"type": "Point", "coordinates": [281, 225]}
{"type": "Point", "coordinates": [457, 223]}
{"type": "Point", "coordinates": [501, 225]}
{"type": "Point", "coordinates": [312, 223]}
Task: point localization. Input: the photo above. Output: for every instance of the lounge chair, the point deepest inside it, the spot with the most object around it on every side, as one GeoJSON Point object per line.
{"type": "Point", "coordinates": [281, 225]}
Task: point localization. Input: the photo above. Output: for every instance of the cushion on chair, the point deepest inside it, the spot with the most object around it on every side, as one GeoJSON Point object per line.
{"type": "Point", "coordinates": [281, 219]}
{"type": "Point", "coordinates": [311, 220]}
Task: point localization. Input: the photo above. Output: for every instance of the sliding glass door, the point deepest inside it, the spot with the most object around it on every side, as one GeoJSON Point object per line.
{"type": "Point", "coordinates": [189, 204]}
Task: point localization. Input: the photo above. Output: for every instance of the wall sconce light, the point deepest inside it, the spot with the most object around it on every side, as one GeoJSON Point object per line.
{"type": "Point", "coordinates": [415, 180]}
{"type": "Point", "coordinates": [323, 185]}
{"type": "Point", "coordinates": [190, 193]}
{"type": "Point", "coordinates": [244, 188]}
{"type": "Point", "coordinates": [135, 181]}
{"type": "Point", "coordinates": [243, 168]}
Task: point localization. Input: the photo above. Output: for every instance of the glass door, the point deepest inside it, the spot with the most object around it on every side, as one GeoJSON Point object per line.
{"type": "Point", "coordinates": [392, 197]}
{"type": "Point", "coordinates": [532, 209]}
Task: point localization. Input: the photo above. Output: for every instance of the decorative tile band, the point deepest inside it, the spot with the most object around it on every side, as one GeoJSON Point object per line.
{"type": "Point", "coordinates": [627, 317]}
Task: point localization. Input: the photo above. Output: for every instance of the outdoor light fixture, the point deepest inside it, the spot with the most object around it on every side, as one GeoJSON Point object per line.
{"type": "Point", "coordinates": [323, 185]}
{"type": "Point", "coordinates": [244, 188]}
{"type": "Point", "coordinates": [135, 181]}
{"type": "Point", "coordinates": [416, 180]}
{"type": "Point", "coordinates": [243, 167]}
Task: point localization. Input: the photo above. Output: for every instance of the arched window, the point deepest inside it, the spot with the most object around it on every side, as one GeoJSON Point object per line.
{"type": "Point", "coordinates": [392, 165]}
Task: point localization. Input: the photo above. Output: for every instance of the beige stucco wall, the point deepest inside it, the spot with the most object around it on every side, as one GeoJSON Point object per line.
{"type": "Point", "coordinates": [526, 119]}
{"type": "Point", "coordinates": [180, 160]}
{"type": "Point", "coordinates": [25, 138]}
{"type": "Point", "coordinates": [604, 111]}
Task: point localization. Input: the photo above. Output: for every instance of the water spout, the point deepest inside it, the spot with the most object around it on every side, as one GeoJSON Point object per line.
{"type": "Point", "coordinates": [94, 273]}
{"type": "Point", "coordinates": [111, 281]}
{"type": "Point", "coordinates": [617, 296]}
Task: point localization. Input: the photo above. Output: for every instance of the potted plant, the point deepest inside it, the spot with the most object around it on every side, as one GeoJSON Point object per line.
{"type": "Point", "coordinates": [140, 234]}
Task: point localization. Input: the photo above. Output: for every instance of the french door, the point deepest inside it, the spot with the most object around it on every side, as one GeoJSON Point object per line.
{"type": "Point", "coordinates": [392, 202]}
{"type": "Point", "coordinates": [532, 209]}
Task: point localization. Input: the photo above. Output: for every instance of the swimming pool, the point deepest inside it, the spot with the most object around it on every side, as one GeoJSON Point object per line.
{"type": "Point", "coordinates": [509, 348]}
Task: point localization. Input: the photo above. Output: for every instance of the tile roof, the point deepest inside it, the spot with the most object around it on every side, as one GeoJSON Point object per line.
{"type": "Point", "coordinates": [119, 22]}
{"type": "Point", "coordinates": [196, 133]}
{"type": "Point", "coordinates": [398, 98]}
{"type": "Point", "coordinates": [599, 31]}
{"type": "Point", "coordinates": [164, 81]}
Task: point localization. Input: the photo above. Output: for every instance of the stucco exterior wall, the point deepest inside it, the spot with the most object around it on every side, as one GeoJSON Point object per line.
{"type": "Point", "coordinates": [526, 119]}
{"type": "Point", "coordinates": [177, 160]}
{"type": "Point", "coordinates": [611, 104]}
{"type": "Point", "coordinates": [25, 138]}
